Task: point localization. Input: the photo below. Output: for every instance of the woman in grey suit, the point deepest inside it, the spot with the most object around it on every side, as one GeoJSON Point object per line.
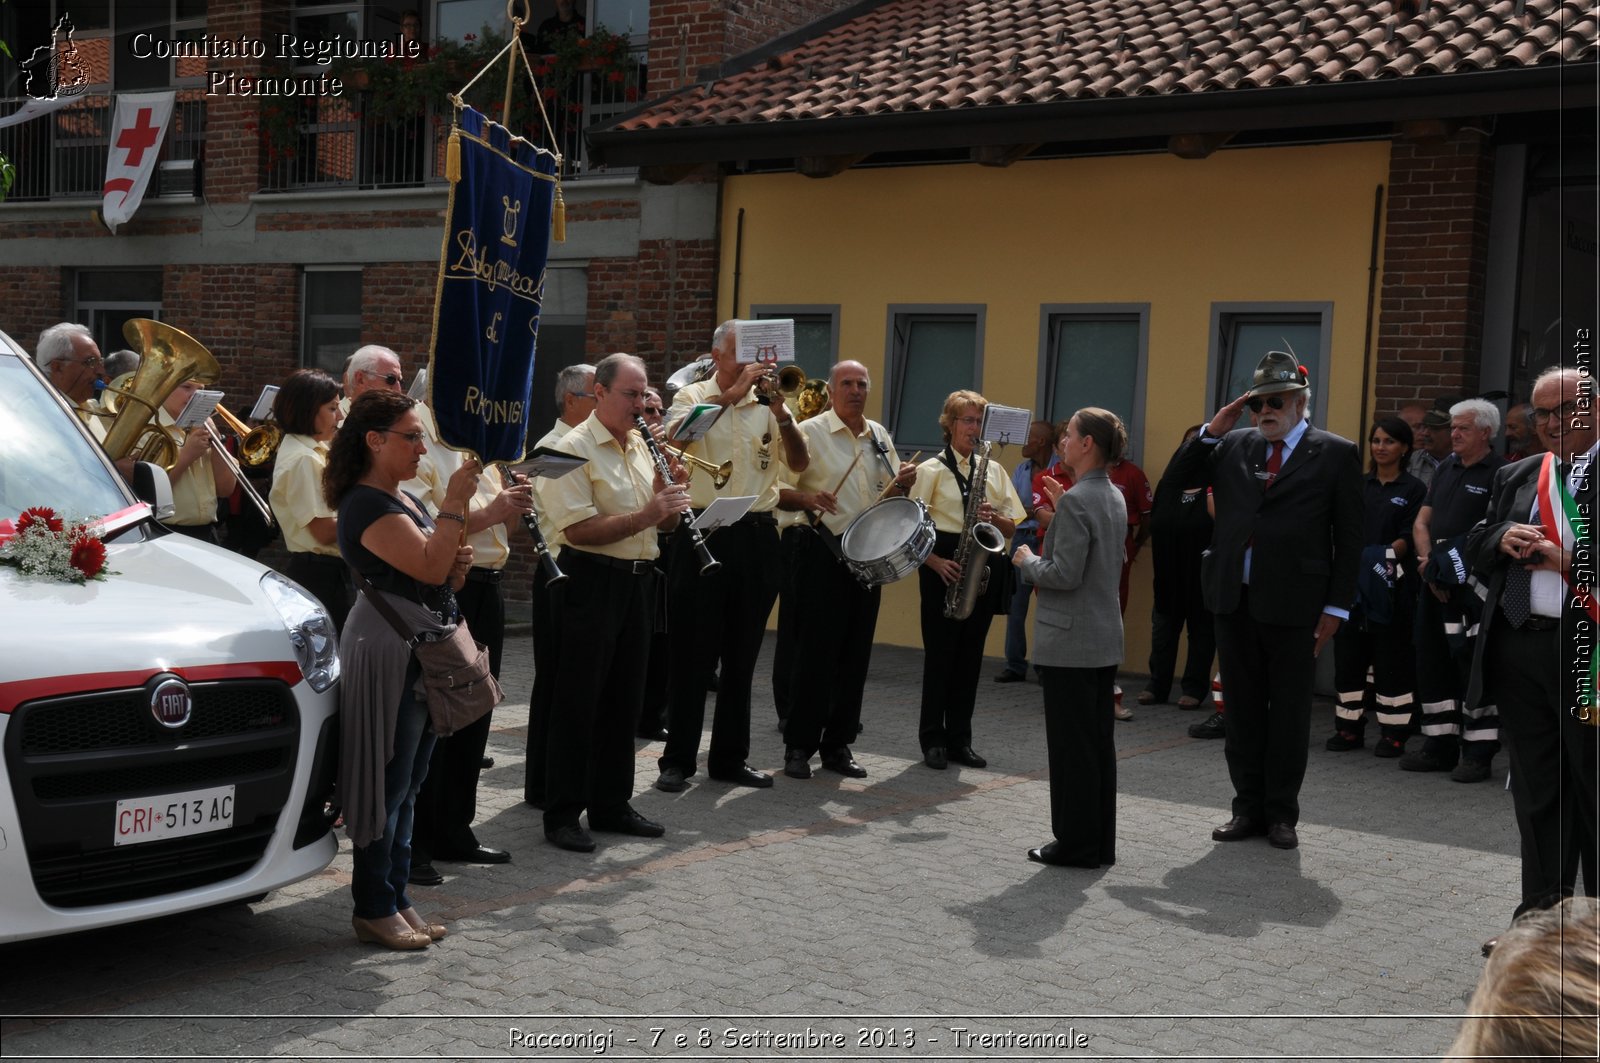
{"type": "Point", "coordinates": [1078, 635]}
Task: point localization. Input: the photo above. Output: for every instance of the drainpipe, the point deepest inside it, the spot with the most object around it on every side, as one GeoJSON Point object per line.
{"type": "Point", "coordinates": [1372, 295]}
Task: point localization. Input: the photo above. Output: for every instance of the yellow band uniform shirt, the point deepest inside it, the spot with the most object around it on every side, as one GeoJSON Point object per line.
{"type": "Point", "coordinates": [296, 494]}
{"type": "Point", "coordinates": [745, 434]}
{"type": "Point", "coordinates": [617, 479]}
{"type": "Point", "coordinates": [833, 447]}
{"type": "Point", "coordinates": [194, 493]}
{"type": "Point", "coordinates": [937, 486]}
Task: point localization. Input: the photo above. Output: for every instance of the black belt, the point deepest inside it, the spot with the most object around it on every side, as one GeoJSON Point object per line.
{"type": "Point", "coordinates": [1539, 623]}
{"type": "Point", "coordinates": [479, 574]}
{"type": "Point", "coordinates": [637, 568]}
{"type": "Point", "coordinates": [753, 520]}
{"type": "Point", "coordinates": [306, 557]}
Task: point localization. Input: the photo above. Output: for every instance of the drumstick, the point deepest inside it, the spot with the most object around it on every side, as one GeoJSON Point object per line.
{"type": "Point", "coordinates": [890, 485]}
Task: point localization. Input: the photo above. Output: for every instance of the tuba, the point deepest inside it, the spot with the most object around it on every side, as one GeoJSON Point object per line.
{"type": "Point", "coordinates": [980, 540]}
{"type": "Point", "coordinates": [167, 357]}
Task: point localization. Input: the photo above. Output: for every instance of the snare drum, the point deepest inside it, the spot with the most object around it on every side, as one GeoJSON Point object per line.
{"type": "Point", "coordinates": [888, 541]}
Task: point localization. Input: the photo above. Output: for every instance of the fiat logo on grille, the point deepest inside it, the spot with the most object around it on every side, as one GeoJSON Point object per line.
{"type": "Point", "coordinates": [171, 704]}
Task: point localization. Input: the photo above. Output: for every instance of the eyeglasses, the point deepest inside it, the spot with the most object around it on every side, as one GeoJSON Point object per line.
{"type": "Point", "coordinates": [388, 378]}
{"type": "Point", "coordinates": [583, 394]}
{"type": "Point", "coordinates": [92, 362]}
{"type": "Point", "coordinates": [410, 437]}
{"type": "Point", "coordinates": [969, 420]}
{"type": "Point", "coordinates": [1275, 402]}
{"type": "Point", "coordinates": [654, 411]}
{"type": "Point", "coordinates": [1565, 411]}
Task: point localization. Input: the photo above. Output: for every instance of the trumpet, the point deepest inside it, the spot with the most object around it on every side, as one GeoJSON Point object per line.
{"type": "Point", "coordinates": [720, 474]}
{"type": "Point", "coordinates": [258, 445]}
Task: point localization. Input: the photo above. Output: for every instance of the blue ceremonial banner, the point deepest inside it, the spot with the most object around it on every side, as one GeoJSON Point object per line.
{"type": "Point", "coordinates": [491, 283]}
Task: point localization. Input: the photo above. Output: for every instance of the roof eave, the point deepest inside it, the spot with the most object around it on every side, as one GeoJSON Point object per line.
{"type": "Point", "coordinates": [1541, 88]}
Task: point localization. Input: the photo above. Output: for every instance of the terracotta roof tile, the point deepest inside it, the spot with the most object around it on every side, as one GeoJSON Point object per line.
{"type": "Point", "coordinates": [909, 55]}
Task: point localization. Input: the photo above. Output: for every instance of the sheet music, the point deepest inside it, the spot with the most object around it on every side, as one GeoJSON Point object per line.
{"type": "Point", "coordinates": [199, 407]}
{"type": "Point", "coordinates": [1006, 424]}
{"type": "Point", "coordinates": [723, 511]}
{"type": "Point", "coordinates": [550, 463]}
{"type": "Point", "coordinates": [767, 340]}
{"type": "Point", "coordinates": [695, 424]}
{"type": "Point", "coordinates": [262, 410]}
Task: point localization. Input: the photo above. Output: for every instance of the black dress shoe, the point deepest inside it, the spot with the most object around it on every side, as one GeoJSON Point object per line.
{"type": "Point", "coordinates": [628, 822]}
{"type": "Point", "coordinates": [934, 758]}
{"type": "Point", "coordinates": [671, 780]}
{"type": "Point", "coordinates": [1282, 836]}
{"type": "Point", "coordinates": [424, 874]}
{"type": "Point", "coordinates": [744, 775]}
{"type": "Point", "coordinates": [1488, 946]}
{"type": "Point", "coordinates": [796, 765]}
{"type": "Point", "coordinates": [571, 837]}
{"type": "Point", "coordinates": [843, 763]}
{"type": "Point", "coordinates": [1008, 676]}
{"type": "Point", "coordinates": [651, 734]}
{"type": "Point", "coordinates": [478, 854]}
{"type": "Point", "coordinates": [1238, 828]}
{"type": "Point", "coordinates": [965, 755]}
{"type": "Point", "coordinates": [1051, 854]}
{"type": "Point", "coordinates": [1212, 726]}
{"type": "Point", "coordinates": [486, 763]}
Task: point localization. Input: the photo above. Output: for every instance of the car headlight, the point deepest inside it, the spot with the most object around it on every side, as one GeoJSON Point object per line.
{"type": "Point", "coordinates": [311, 632]}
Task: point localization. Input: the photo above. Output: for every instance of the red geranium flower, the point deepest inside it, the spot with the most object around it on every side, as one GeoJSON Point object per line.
{"type": "Point", "coordinates": [631, 94]}
{"type": "Point", "coordinates": [615, 76]}
{"type": "Point", "coordinates": [38, 515]}
{"type": "Point", "coordinates": [89, 557]}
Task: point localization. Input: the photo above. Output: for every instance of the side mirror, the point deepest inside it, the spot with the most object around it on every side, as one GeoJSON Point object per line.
{"type": "Point", "coordinates": [150, 484]}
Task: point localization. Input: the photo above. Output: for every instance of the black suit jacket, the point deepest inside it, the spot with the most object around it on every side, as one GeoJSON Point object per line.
{"type": "Point", "coordinates": [1305, 529]}
{"type": "Point", "coordinates": [1510, 502]}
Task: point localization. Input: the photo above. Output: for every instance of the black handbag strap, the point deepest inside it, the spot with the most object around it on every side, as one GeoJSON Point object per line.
{"type": "Point", "coordinates": [387, 610]}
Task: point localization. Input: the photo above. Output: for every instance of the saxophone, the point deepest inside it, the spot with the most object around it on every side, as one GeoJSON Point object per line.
{"type": "Point", "coordinates": [979, 541]}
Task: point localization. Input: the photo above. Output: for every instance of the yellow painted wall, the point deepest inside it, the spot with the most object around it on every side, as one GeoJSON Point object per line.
{"type": "Point", "coordinates": [1261, 225]}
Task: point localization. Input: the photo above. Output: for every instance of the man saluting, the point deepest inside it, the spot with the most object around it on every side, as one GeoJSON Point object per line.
{"type": "Point", "coordinates": [1280, 576]}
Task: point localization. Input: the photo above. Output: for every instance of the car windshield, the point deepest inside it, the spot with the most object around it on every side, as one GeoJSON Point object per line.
{"type": "Point", "coordinates": [44, 459]}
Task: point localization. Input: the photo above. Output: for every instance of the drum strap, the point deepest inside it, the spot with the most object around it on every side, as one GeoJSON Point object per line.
{"type": "Point", "coordinates": [829, 538]}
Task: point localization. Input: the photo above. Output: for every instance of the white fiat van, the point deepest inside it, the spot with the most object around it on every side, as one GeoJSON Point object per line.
{"type": "Point", "coordinates": [168, 733]}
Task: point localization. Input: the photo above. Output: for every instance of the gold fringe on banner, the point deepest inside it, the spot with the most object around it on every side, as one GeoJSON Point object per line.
{"type": "Point", "coordinates": [558, 216]}
{"type": "Point", "coordinates": [452, 157]}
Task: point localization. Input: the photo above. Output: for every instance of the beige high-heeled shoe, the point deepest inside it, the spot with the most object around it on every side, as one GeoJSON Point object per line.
{"type": "Point", "coordinates": [392, 932]}
{"type": "Point", "coordinates": [435, 931]}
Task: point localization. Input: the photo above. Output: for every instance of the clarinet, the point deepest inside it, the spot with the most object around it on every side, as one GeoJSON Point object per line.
{"type": "Point", "coordinates": [547, 560]}
{"type": "Point", "coordinates": [701, 550]}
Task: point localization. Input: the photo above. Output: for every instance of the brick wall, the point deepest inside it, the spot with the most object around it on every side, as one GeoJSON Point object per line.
{"type": "Point", "coordinates": [660, 306]}
{"type": "Point", "coordinates": [234, 158]}
{"type": "Point", "coordinates": [687, 35]}
{"type": "Point", "coordinates": [35, 298]}
{"type": "Point", "coordinates": [1430, 324]}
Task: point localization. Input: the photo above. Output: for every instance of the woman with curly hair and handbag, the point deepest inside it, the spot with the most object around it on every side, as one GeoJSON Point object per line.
{"type": "Point", "coordinates": [388, 538]}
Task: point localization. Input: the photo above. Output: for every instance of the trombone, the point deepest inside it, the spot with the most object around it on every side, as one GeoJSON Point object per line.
{"type": "Point", "coordinates": [720, 474]}
{"type": "Point", "coordinates": [221, 449]}
{"type": "Point", "coordinates": [258, 445]}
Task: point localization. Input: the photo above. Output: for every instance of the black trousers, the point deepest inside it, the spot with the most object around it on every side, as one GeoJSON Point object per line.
{"type": "Point", "coordinates": [605, 617]}
{"type": "Point", "coordinates": [448, 800]}
{"type": "Point", "coordinates": [718, 614]}
{"type": "Point", "coordinates": [1267, 671]}
{"type": "Point", "coordinates": [952, 654]}
{"type": "Point", "coordinates": [548, 600]}
{"type": "Point", "coordinates": [1387, 650]}
{"type": "Point", "coordinates": [1553, 759]}
{"type": "Point", "coordinates": [1165, 627]}
{"type": "Point", "coordinates": [836, 620]}
{"type": "Point", "coordinates": [1078, 727]}
{"type": "Point", "coordinates": [1444, 667]}
{"type": "Point", "coordinates": [785, 654]}
{"type": "Point", "coordinates": [328, 578]}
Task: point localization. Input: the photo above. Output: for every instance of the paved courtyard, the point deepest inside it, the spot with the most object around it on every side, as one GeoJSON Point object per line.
{"type": "Point", "coordinates": [893, 916]}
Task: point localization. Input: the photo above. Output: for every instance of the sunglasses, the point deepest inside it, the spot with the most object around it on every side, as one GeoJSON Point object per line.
{"type": "Point", "coordinates": [1276, 402]}
{"type": "Point", "coordinates": [654, 411]}
{"type": "Point", "coordinates": [388, 378]}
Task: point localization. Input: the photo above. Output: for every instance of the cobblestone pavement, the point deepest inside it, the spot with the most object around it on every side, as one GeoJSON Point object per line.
{"type": "Point", "coordinates": [886, 917]}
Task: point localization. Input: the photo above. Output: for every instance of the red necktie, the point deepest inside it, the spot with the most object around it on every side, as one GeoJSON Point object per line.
{"type": "Point", "coordinates": [1274, 462]}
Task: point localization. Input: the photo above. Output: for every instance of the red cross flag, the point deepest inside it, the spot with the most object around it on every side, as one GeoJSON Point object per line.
{"type": "Point", "coordinates": [136, 137]}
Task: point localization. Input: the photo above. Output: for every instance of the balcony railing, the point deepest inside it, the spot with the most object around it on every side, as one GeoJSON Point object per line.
{"type": "Point", "coordinates": [62, 155]}
{"type": "Point", "coordinates": [337, 143]}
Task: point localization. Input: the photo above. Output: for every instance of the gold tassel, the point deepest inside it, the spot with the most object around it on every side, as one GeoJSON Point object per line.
{"type": "Point", "coordinates": [452, 157]}
{"type": "Point", "coordinates": [558, 218]}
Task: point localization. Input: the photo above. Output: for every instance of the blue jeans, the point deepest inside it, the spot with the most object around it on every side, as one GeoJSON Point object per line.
{"type": "Point", "coordinates": [378, 879]}
{"type": "Point", "coordinates": [1017, 619]}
